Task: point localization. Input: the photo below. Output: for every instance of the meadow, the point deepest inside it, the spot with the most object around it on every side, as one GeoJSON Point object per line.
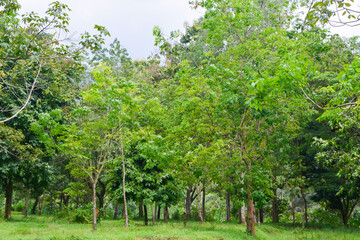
{"type": "Point", "coordinates": [51, 228]}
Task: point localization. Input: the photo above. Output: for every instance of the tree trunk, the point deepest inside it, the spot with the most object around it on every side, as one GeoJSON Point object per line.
{"type": "Point", "coordinates": [184, 217]}
{"type": "Point", "coordinates": [165, 213]}
{"type": "Point", "coordinates": [116, 210]}
{"type": "Point", "coordinates": [124, 190]}
{"type": "Point", "coordinates": [77, 201]}
{"type": "Point", "coordinates": [250, 223]}
{"type": "Point", "coordinates": [41, 201]}
{"type": "Point", "coordinates": [26, 202]}
{"type": "Point", "coordinates": [8, 196]}
{"type": "Point", "coordinates": [94, 205]}
{"type": "Point", "coordinates": [275, 211]}
{"type": "Point", "coordinates": [156, 209]}
{"type": "Point", "coordinates": [228, 214]}
{"type": "Point", "coordinates": [141, 212]}
{"type": "Point", "coordinates": [199, 206]}
{"type": "Point", "coordinates": [66, 200]}
{"type": "Point", "coordinates": [188, 202]}
{"type": "Point", "coordinates": [33, 210]}
{"type": "Point", "coordinates": [250, 215]}
{"type": "Point", "coordinates": [159, 212]}
{"type": "Point", "coordinates": [203, 202]}
{"type": "Point", "coordinates": [261, 211]}
{"type": "Point", "coordinates": [293, 214]}
{"type": "Point", "coordinates": [303, 218]}
{"type": "Point", "coordinates": [145, 215]}
{"type": "Point", "coordinates": [243, 215]}
{"type": "Point", "coordinates": [152, 214]}
{"type": "Point", "coordinates": [61, 203]}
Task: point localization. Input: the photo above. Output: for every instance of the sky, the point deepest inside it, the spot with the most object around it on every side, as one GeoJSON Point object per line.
{"type": "Point", "coordinates": [130, 21]}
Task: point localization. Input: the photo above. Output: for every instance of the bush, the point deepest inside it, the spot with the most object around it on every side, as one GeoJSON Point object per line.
{"type": "Point", "coordinates": [19, 207]}
{"type": "Point", "coordinates": [78, 215]}
{"type": "Point", "coordinates": [325, 216]}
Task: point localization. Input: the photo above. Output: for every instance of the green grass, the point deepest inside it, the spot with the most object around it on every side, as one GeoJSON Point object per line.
{"type": "Point", "coordinates": [35, 227]}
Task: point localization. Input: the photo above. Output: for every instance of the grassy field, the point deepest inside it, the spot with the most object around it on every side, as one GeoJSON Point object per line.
{"type": "Point", "coordinates": [35, 227]}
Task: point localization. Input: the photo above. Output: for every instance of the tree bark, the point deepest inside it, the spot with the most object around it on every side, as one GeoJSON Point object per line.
{"type": "Point", "coordinates": [188, 202]}
{"type": "Point", "coordinates": [116, 210]}
{"type": "Point", "coordinates": [124, 190]}
{"type": "Point", "coordinates": [261, 212]}
{"type": "Point", "coordinates": [156, 208]}
{"type": "Point", "coordinates": [26, 202]}
{"type": "Point", "coordinates": [203, 202]}
{"type": "Point", "coordinates": [8, 196]}
{"type": "Point", "coordinates": [228, 213]}
{"type": "Point", "coordinates": [141, 212]}
{"type": "Point", "coordinates": [41, 201]}
{"type": "Point", "coordinates": [275, 211]}
{"type": "Point", "coordinates": [145, 215]}
{"type": "Point", "coordinates": [250, 215]}
{"type": "Point", "coordinates": [184, 217]}
{"type": "Point", "coordinates": [199, 206]}
{"type": "Point", "coordinates": [94, 206]}
{"type": "Point", "coordinates": [165, 213]}
{"type": "Point", "coordinates": [250, 223]}
{"type": "Point", "coordinates": [33, 210]}
{"type": "Point", "coordinates": [159, 212]}
{"type": "Point", "coordinates": [61, 204]}
{"type": "Point", "coordinates": [66, 200]}
{"type": "Point", "coordinates": [152, 214]}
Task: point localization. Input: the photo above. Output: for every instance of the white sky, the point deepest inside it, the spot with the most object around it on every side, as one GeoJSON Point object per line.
{"type": "Point", "coordinates": [131, 21]}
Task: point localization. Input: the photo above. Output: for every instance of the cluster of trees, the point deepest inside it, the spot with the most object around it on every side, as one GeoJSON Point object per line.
{"type": "Point", "coordinates": [251, 102]}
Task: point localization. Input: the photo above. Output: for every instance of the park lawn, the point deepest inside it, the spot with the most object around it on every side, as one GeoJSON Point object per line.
{"type": "Point", "coordinates": [35, 227]}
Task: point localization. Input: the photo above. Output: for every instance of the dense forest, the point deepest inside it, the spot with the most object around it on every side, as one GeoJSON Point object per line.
{"type": "Point", "coordinates": [250, 115]}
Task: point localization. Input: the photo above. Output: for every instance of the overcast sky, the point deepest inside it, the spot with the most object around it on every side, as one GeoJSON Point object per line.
{"type": "Point", "coordinates": [131, 21]}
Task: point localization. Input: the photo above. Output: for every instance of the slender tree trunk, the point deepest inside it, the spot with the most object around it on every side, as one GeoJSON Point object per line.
{"type": "Point", "coordinates": [188, 202]}
{"type": "Point", "coordinates": [77, 201]}
{"type": "Point", "coordinates": [61, 203]}
{"type": "Point", "coordinates": [41, 201]}
{"type": "Point", "coordinates": [228, 214]}
{"type": "Point", "coordinates": [66, 200]}
{"type": "Point", "coordinates": [51, 202]}
{"type": "Point", "coordinates": [165, 213]}
{"type": "Point", "coordinates": [203, 202]}
{"type": "Point", "coordinates": [33, 210]}
{"type": "Point", "coordinates": [26, 202]}
{"type": "Point", "coordinates": [275, 212]}
{"type": "Point", "coordinates": [250, 207]}
{"type": "Point", "coordinates": [242, 214]}
{"type": "Point", "coordinates": [199, 205]}
{"type": "Point", "coordinates": [159, 212]}
{"type": "Point", "coordinates": [141, 213]}
{"type": "Point", "coordinates": [184, 217]}
{"type": "Point", "coordinates": [116, 210]}
{"type": "Point", "coordinates": [250, 215]}
{"type": "Point", "coordinates": [145, 215]}
{"type": "Point", "coordinates": [8, 196]}
{"type": "Point", "coordinates": [152, 214]}
{"type": "Point", "coordinates": [303, 218]}
{"type": "Point", "coordinates": [124, 190]}
{"type": "Point", "coordinates": [293, 214]}
{"type": "Point", "coordinates": [156, 209]}
{"type": "Point", "coordinates": [261, 211]}
{"type": "Point", "coordinates": [94, 206]}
